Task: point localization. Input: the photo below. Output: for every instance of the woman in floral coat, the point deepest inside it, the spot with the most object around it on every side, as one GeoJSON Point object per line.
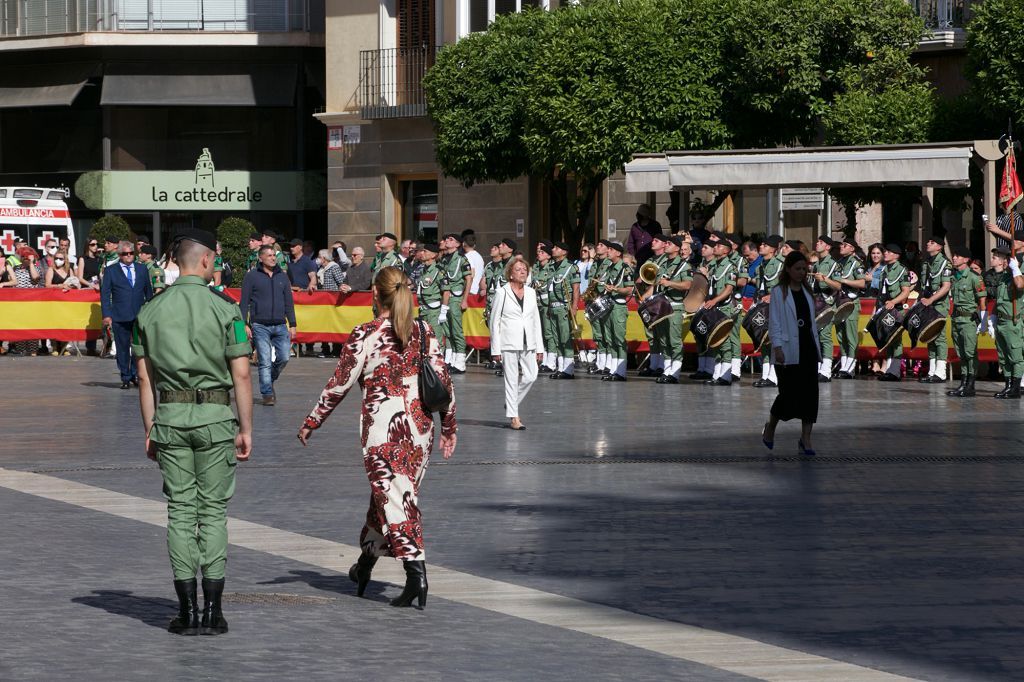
{"type": "Point", "coordinates": [397, 433]}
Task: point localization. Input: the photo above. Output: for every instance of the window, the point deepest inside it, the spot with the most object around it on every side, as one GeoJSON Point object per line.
{"type": "Point", "coordinates": [482, 12]}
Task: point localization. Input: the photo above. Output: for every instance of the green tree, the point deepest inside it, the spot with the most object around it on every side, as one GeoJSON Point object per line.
{"type": "Point", "coordinates": [233, 235]}
{"type": "Point", "coordinates": [111, 226]}
{"type": "Point", "coordinates": [995, 57]}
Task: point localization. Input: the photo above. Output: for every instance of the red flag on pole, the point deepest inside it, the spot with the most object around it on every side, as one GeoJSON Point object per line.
{"type": "Point", "coordinates": [1011, 191]}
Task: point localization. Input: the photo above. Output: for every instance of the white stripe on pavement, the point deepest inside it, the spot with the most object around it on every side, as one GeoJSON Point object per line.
{"type": "Point", "coordinates": [707, 647]}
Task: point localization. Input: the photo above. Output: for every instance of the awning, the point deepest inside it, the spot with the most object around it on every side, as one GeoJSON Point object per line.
{"type": "Point", "coordinates": [43, 85]}
{"type": "Point", "coordinates": [199, 84]}
{"type": "Point", "coordinates": [920, 165]}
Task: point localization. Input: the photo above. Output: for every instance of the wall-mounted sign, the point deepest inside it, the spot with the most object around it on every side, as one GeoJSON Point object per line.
{"type": "Point", "coordinates": [334, 138]}
{"type": "Point", "coordinates": [801, 199]}
{"type": "Point", "coordinates": [352, 134]}
{"type": "Point", "coordinates": [202, 189]}
{"type": "Point", "coordinates": [520, 228]}
{"type": "Point", "coordinates": [611, 228]}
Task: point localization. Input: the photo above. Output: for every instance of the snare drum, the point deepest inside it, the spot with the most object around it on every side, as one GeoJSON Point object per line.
{"type": "Point", "coordinates": [884, 328]}
{"type": "Point", "coordinates": [823, 311]}
{"type": "Point", "coordinates": [697, 293]}
{"type": "Point", "coordinates": [598, 309]}
{"type": "Point", "coordinates": [923, 324]}
{"type": "Point", "coordinates": [654, 310]}
{"type": "Point", "coordinates": [756, 325]}
{"type": "Point", "coordinates": [710, 327]}
{"type": "Point", "coordinates": [846, 307]}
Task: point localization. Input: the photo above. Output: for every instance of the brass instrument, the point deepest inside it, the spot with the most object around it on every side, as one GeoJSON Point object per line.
{"type": "Point", "coordinates": [574, 327]}
{"type": "Point", "coordinates": [591, 293]}
{"type": "Point", "coordinates": [649, 273]}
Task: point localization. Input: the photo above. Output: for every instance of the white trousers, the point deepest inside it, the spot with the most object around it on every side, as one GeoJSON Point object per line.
{"type": "Point", "coordinates": [520, 372]}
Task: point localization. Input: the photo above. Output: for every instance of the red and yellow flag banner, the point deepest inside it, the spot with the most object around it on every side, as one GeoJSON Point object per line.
{"type": "Point", "coordinates": [1010, 193]}
{"type": "Point", "coordinates": [27, 314]}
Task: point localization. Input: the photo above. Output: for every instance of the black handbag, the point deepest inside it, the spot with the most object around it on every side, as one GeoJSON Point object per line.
{"type": "Point", "coordinates": [433, 395]}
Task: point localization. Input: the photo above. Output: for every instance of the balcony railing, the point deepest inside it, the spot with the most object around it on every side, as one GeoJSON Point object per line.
{"type": "Point", "coordinates": [52, 17]}
{"type": "Point", "coordinates": [942, 15]}
{"type": "Point", "coordinates": [391, 81]}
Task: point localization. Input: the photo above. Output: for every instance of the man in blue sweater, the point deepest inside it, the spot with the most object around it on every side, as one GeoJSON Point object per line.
{"type": "Point", "coordinates": [269, 314]}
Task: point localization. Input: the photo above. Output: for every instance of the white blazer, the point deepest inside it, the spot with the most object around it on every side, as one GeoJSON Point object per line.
{"type": "Point", "coordinates": [512, 327]}
{"type": "Point", "coordinates": [782, 328]}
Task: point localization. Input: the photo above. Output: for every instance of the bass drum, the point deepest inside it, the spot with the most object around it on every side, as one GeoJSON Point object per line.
{"type": "Point", "coordinates": [756, 325]}
{"type": "Point", "coordinates": [884, 328]}
{"type": "Point", "coordinates": [654, 310]}
{"type": "Point", "coordinates": [697, 293]}
{"type": "Point", "coordinates": [710, 328]}
{"type": "Point", "coordinates": [923, 324]}
{"type": "Point", "coordinates": [598, 309]}
{"type": "Point", "coordinates": [846, 307]}
{"type": "Point", "coordinates": [823, 312]}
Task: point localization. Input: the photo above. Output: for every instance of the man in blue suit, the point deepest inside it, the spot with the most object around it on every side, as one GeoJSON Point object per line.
{"type": "Point", "coordinates": [125, 288]}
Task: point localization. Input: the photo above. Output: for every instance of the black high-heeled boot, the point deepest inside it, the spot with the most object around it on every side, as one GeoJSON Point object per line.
{"type": "Point", "coordinates": [415, 585]}
{"type": "Point", "coordinates": [187, 620]}
{"type": "Point", "coordinates": [213, 617]}
{"type": "Point", "coordinates": [360, 572]}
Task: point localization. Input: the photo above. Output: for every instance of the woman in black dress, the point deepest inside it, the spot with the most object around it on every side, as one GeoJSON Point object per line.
{"type": "Point", "coordinates": [795, 352]}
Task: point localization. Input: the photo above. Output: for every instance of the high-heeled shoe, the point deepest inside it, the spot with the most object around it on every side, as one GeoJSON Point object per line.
{"type": "Point", "coordinates": [767, 443]}
{"type": "Point", "coordinates": [415, 585]}
{"type": "Point", "coordinates": [360, 572]}
{"type": "Point", "coordinates": [805, 451]}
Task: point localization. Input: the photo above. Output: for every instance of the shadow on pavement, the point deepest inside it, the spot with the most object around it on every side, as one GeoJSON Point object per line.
{"type": "Point", "coordinates": [103, 384]}
{"type": "Point", "coordinates": [154, 611]}
{"type": "Point", "coordinates": [339, 584]}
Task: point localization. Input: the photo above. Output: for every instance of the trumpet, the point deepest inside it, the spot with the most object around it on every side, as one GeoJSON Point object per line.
{"type": "Point", "coordinates": [574, 326]}
{"type": "Point", "coordinates": [591, 293]}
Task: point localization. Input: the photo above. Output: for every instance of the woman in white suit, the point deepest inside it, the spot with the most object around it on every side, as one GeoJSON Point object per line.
{"type": "Point", "coordinates": [516, 339]}
{"type": "Point", "coordinates": [795, 352]}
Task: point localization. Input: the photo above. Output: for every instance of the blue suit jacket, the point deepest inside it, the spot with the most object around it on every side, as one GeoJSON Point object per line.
{"type": "Point", "coordinates": [119, 300]}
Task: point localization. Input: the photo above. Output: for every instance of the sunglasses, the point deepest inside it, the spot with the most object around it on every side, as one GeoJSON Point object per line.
{"type": "Point", "coordinates": [93, 244]}
{"type": "Point", "coordinates": [127, 253]}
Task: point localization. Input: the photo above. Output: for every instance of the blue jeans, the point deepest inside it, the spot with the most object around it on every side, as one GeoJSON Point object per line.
{"type": "Point", "coordinates": [266, 337]}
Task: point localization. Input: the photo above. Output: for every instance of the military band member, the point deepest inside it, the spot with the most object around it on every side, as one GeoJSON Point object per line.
{"type": "Point", "coordinates": [742, 277]}
{"type": "Point", "coordinates": [1009, 295]}
{"type": "Point", "coordinates": [269, 238]}
{"type": "Point", "coordinates": [893, 293]}
{"type": "Point", "coordinates": [705, 358]}
{"type": "Point", "coordinates": [491, 272]}
{"type": "Point", "coordinates": [674, 282]}
{"type": "Point", "coordinates": [387, 256]}
{"type": "Point", "coordinates": [506, 249]}
{"type": "Point", "coordinates": [934, 285]}
{"type": "Point", "coordinates": [767, 277]}
{"type": "Point", "coordinates": [109, 256]}
{"type": "Point", "coordinates": [147, 256]}
{"type": "Point", "coordinates": [563, 301]}
{"type": "Point", "coordinates": [458, 276]}
{"type": "Point", "coordinates": [851, 278]}
{"type": "Point", "coordinates": [968, 315]}
{"type": "Point", "coordinates": [722, 285]}
{"type": "Point", "coordinates": [823, 271]}
{"type": "Point", "coordinates": [656, 359]}
{"type": "Point", "coordinates": [253, 259]}
{"type": "Point", "coordinates": [540, 273]}
{"type": "Point", "coordinates": [429, 292]}
{"type": "Point", "coordinates": [619, 285]}
{"type": "Point", "coordinates": [597, 275]}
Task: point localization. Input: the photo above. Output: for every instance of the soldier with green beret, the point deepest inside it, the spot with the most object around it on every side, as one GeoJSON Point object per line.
{"type": "Point", "coordinates": [619, 285]}
{"type": "Point", "coordinates": [969, 314]}
{"type": "Point", "coordinates": [935, 282]}
{"type": "Point", "coordinates": [1009, 294]}
{"type": "Point", "coordinates": [192, 349]}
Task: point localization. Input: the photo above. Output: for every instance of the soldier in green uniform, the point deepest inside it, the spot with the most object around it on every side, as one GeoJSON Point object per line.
{"type": "Point", "coordinates": [767, 277]}
{"type": "Point", "coordinates": [722, 284]}
{"type": "Point", "coordinates": [540, 273]}
{"type": "Point", "coordinates": [109, 253]}
{"type": "Point", "coordinates": [740, 263]}
{"type": "Point", "coordinates": [619, 285]}
{"type": "Point", "coordinates": [656, 358]}
{"type": "Point", "coordinates": [563, 301]}
{"type": "Point", "coordinates": [253, 260]}
{"type": "Point", "coordinates": [269, 238]}
{"type": "Point", "coordinates": [597, 276]}
{"type": "Point", "coordinates": [192, 349]}
{"type": "Point", "coordinates": [458, 276]}
{"type": "Point", "coordinates": [674, 282]}
{"type": "Point", "coordinates": [850, 279]}
{"type": "Point", "coordinates": [934, 284]}
{"type": "Point", "coordinates": [218, 270]}
{"type": "Point", "coordinates": [893, 292]}
{"type": "Point", "coordinates": [968, 315]}
{"type": "Point", "coordinates": [823, 273]}
{"type": "Point", "coordinates": [387, 256]}
{"type": "Point", "coordinates": [429, 291]}
{"type": "Point", "coordinates": [491, 270]}
{"type": "Point", "coordinates": [706, 359]}
{"type": "Point", "coordinates": [506, 247]}
{"type": "Point", "coordinates": [147, 254]}
{"type": "Point", "coordinates": [1009, 294]}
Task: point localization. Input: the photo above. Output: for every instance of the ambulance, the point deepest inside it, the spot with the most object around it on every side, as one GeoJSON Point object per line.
{"type": "Point", "coordinates": [37, 215]}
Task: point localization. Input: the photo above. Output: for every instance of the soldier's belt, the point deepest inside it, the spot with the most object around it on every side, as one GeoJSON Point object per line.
{"type": "Point", "coordinates": [556, 304]}
{"type": "Point", "coordinates": [197, 397]}
{"type": "Point", "coordinates": [433, 306]}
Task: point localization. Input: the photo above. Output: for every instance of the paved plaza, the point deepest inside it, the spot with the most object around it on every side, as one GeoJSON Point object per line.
{"type": "Point", "coordinates": [633, 532]}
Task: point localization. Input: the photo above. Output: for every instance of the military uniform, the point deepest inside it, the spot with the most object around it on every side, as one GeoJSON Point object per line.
{"type": "Point", "coordinates": [1009, 301]}
{"type": "Point", "coordinates": [253, 260]}
{"type": "Point", "coordinates": [218, 266]}
{"type": "Point", "coordinates": [190, 334]}
{"type": "Point", "coordinates": [706, 357]}
{"type": "Point", "coordinates": [619, 275]}
{"type": "Point", "coordinates": [669, 334]}
{"type": "Point", "coordinates": [429, 295]}
{"type": "Point", "coordinates": [108, 259]}
{"type": "Point", "coordinates": [656, 360]}
{"type": "Point", "coordinates": [563, 275]}
{"type": "Point", "coordinates": [722, 274]}
{"type": "Point", "coordinates": [828, 267]}
{"type": "Point", "coordinates": [768, 274]}
{"type": "Point", "coordinates": [539, 276]}
{"type": "Point", "coordinates": [156, 276]}
{"type": "Point", "coordinates": [935, 272]}
{"type": "Point", "coordinates": [968, 289]}
{"type": "Point", "coordinates": [895, 276]}
{"type": "Point", "coordinates": [494, 275]}
{"type": "Point", "coordinates": [384, 259]}
{"type": "Point", "coordinates": [456, 267]}
{"type": "Point", "coordinates": [740, 263]}
{"type": "Point", "coordinates": [847, 333]}
{"type": "Point", "coordinates": [597, 274]}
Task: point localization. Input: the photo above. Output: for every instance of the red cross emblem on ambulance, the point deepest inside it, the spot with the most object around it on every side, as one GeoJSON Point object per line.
{"type": "Point", "coordinates": [45, 237]}
{"type": "Point", "coordinates": [7, 241]}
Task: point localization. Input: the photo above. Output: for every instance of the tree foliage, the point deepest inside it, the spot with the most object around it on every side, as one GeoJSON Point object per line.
{"type": "Point", "coordinates": [995, 57]}
{"type": "Point", "coordinates": [233, 235]}
{"type": "Point", "coordinates": [111, 225]}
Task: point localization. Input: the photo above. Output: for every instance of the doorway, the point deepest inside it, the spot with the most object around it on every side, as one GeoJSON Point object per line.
{"type": "Point", "coordinates": [418, 209]}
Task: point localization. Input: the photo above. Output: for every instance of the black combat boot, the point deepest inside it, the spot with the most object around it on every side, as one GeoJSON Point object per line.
{"type": "Point", "coordinates": [1012, 391]}
{"type": "Point", "coordinates": [415, 585]}
{"type": "Point", "coordinates": [360, 572]}
{"type": "Point", "coordinates": [213, 618]}
{"type": "Point", "coordinates": [1006, 389]}
{"type": "Point", "coordinates": [957, 392]}
{"type": "Point", "coordinates": [968, 390]}
{"type": "Point", "coordinates": [187, 620]}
